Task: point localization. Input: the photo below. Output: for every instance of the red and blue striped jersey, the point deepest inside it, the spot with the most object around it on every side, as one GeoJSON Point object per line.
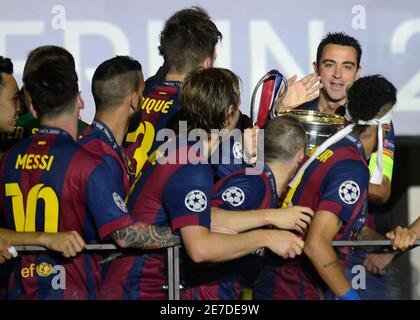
{"type": "Point", "coordinates": [237, 191]}
{"type": "Point", "coordinates": [337, 181]}
{"type": "Point", "coordinates": [49, 183]}
{"type": "Point", "coordinates": [160, 105]}
{"type": "Point", "coordinates": [172, 194]}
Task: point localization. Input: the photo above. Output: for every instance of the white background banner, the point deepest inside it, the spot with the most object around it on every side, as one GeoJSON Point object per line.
{"type": "Point", "coordinates": [257, 36]}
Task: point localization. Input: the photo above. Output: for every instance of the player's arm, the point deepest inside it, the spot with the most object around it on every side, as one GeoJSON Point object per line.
{"type": "Point", "coordinates": [244, 215]}
{"type": "Point", "coordinates": [186, 201]}
{"type": "Point", "coordinates": [144, 236]}
{"type": "Point", "coordinates": [319, 249]}
{"type": "Point", "coordinates": [68, 243]}
{"type": "Point", "coordinates": [202, 245]}
{"type": "Point", "coordinates": [105, 197]}
{"type": "Point", "coordinates": [380, 193]}
{"type": "Point", "coordinates": [294, 218]}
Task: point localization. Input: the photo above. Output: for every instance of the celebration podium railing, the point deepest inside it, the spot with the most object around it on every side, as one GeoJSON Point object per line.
{"type": "Point", "coordinates": [173, 261]}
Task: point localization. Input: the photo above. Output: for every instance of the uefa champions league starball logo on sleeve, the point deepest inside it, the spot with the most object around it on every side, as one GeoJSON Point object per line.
{"type": "Point", "coordinates": [349, 192]}
{"type": "Point", "coordinates": [234, 195]}
{"type": "Point", "coordinates": [196, 201]}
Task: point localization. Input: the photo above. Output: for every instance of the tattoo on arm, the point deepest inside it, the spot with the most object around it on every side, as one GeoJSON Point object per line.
{"type": "Point", "coordinates": [330, 264]}
{"type": "Point", "coordinates": [145, 237]}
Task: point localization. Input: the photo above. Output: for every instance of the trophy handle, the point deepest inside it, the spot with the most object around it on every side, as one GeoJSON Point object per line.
{"type": "Point", "coordinates": [272, 82]}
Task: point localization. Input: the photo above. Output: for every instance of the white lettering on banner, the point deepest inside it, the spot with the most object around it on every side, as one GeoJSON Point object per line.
{"type": "Point", "coordinates": [76, 29]}
{"type": "Point", "coordinates": [359, 20]}
{"type": "Point", "coordinates": [407, 95]}
{"type": "Point", "coordinates": [154, 59]}
{"type": "Point", "coordinates": [20, 28]}
{"type": "Point", "coordinates": [223, 49]}
{"type": "Point", "coordinates": [59, 20]}
{"type": "Point", "coordinates": [271, 43]}
{"type": "Point", "coordinates": [316, 30]}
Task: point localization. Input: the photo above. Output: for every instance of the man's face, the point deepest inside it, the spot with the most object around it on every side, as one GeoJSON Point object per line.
{"type": "Point", "coordinates": [9, 103]}
{"type": "Point", "coordinates": [338, 69]}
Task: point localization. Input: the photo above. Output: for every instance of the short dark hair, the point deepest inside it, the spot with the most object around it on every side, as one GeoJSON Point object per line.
{"type": "Point", "coordinates": [6, 66]}
{"type": "Point", "coordinates": [283, 137]}
{"type": "Point", "coordinates": [44, 53]}
{"type": "Point", "coordinates": [206, 96]}
{"type": "Point", "coordinates": [53, 88]}
{"type": "Point", "coordinates": [187, 39]}
{"type": "Point", "coordinates": [341, 39]}
{"type": "Point", "coordinates": [114, 79]}
{"type": "Point", "coordinates": [368, 95]}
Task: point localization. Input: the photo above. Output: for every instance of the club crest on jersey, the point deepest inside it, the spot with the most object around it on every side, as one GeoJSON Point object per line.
{"type": "Point", "coordinates": [349, 192]}
{"type": "Point", "coordinates": [44, 269]}
{"type": "Point", "coordinates": [196, 201]}
{"type": "Point", "coordinates": [234, 195]}
{"type": "Point", "coordinates": [119, 202]}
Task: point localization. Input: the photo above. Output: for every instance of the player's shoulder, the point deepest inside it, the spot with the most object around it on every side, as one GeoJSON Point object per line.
{"type": "Point", "coordinates": [246, 181]}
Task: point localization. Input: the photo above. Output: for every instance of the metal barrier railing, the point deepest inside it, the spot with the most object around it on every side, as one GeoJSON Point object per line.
{"type": "Point", "coordinates": [173, 261]}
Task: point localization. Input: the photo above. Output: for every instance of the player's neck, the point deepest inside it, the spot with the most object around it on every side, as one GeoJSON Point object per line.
{"type": "Point", "coordinates": [328, 106]}
{"type": "Point", "coordinates": [63, 123]}
{"type": "Point", "coordinates": [368, 141]}
{"type": "Point", "coordinates": [175, 77]}
{"type": "Point", "coordinates": [116, 120]}
{"type": "Point", "coordinates": [281, 176]}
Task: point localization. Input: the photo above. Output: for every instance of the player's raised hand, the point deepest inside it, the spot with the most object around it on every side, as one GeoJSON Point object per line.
{"type": "Point", "coordinates": [295, 218]}
{"type": "Point", "coordinates": [300, 92]}
{"type": "Point", "coordinates": [284, 243]}
{"type": "Point", "coordinates": [403, 238]}
{"type": "Point", "coordinates": [69, 243]}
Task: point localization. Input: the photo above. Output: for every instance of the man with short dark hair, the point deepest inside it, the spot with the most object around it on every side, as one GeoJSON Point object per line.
{"type": "Point", "coordinates": [26, 124]}
{"type": "Point", "coordinates": [81, 185]}
{"type": "Point", "coordinates": [176, 194]}
{"type": "Point", "coordinates": [187, 41]}
{"type": "Point", "coordinates": [334, 183]}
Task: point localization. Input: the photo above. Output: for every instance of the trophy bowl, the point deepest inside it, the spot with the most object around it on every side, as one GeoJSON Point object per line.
{"type": "Point", "coordinates": [319, 126]}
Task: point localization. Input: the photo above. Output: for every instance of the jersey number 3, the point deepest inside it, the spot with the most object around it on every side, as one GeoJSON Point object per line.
{"type": "Point", "coordinates": [25, 219]}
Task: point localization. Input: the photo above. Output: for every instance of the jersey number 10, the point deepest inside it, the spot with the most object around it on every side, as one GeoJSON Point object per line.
{"type": "Point", "coordinates": [25, 219]}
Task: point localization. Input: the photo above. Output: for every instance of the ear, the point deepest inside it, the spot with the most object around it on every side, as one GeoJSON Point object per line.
{"type": "Point", "coordinates": [134, 100]}
{"type": "Point", "coordinates": [315, 66]}
{"type": "Point", "coordinates": [32, 110]}
{"type": "Point", "coordinates": [208, 63]}
{"type": "Point", "coordinates": [231, 110]}
{"type": "Point", "coordinates": [80, 101]}
{"type": "Point", "coordinates": [300, 155]}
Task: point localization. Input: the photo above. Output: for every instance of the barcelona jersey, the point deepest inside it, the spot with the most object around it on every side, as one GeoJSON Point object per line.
{"type": "Point", "coordinates": [160, 105]}
{"type": "Point", "coordinates": [49, 183]}
{"type": "Point", "coordinates": [337, 182]}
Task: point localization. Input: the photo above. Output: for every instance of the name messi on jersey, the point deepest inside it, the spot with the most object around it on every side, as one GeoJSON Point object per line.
{"type": "Point", "coordinates": [32, 161]}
